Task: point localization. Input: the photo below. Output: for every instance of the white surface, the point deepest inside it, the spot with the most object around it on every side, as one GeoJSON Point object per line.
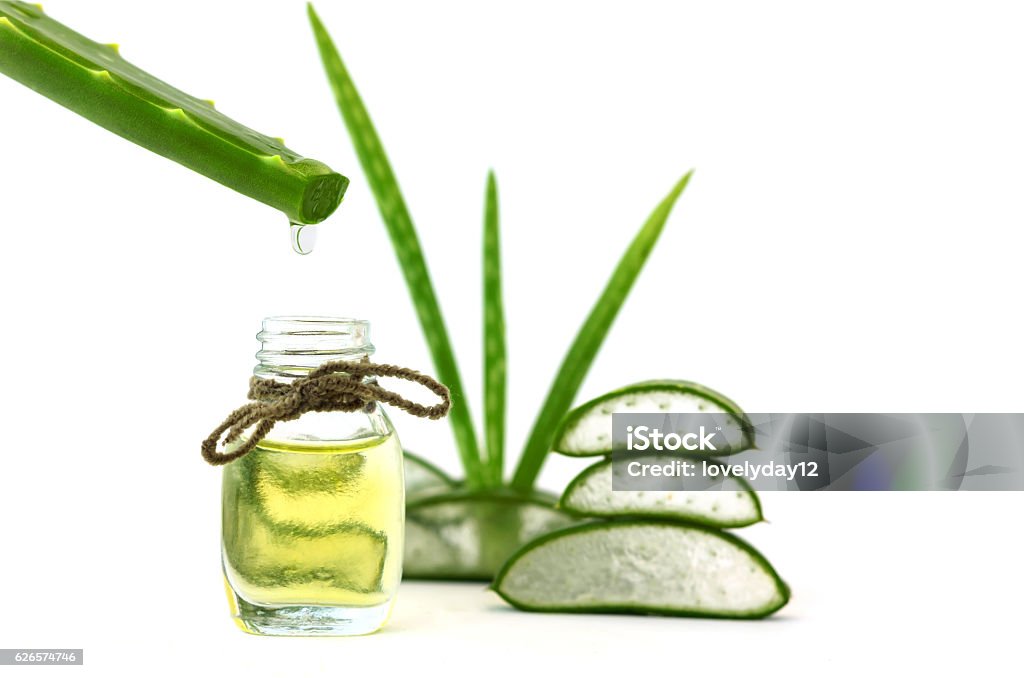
{"type": "Point", "coordinates": [850, 242]}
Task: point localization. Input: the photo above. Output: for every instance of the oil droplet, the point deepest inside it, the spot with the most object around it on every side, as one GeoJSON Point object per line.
{"type": "Point", "coordinates": [303, 238]}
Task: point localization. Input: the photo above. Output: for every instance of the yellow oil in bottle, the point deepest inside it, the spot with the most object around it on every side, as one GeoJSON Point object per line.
{"type": "Point", "coordinates": [314, 523]}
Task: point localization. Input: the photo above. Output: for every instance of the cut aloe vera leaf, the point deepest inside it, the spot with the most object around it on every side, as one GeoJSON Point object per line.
{"type": "Point", "coordinates": [726, 503]}
{"type": "Point", "coordinates": [468, 535]}
{"type": "Point", "coordinates": [642, 567]}
{"type": "Point", "coordinates": [587, 430]}
{"type": "Point", "coordinates": [422, 477]}
{"type": "Point", "coordinates": [94, 81]}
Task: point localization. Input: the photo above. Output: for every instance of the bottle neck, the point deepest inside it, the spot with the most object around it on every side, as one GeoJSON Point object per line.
{"type": "Point", "coordinates": [293, 346]}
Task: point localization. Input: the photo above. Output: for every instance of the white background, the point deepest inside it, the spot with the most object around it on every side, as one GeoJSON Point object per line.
{"type": "Point", "coordinates": [850, 242]}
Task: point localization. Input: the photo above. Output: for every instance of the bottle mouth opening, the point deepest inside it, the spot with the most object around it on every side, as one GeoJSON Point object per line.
{"type": "Point", "coordinates": [319, 324]}
{"type": "Point", "coordinates": [292, 345]}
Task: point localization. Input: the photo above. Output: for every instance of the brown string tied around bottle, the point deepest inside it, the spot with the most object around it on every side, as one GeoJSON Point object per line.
{"type": "Point", "coordinates": [333, 387]}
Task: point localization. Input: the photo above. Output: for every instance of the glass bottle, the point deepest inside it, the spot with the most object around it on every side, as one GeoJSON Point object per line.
{"type": "Point", "coordinates": [313, 517]}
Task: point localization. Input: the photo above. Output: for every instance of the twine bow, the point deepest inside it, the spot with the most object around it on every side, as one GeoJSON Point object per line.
{"type": "Point", "coordinates": [335, 386]}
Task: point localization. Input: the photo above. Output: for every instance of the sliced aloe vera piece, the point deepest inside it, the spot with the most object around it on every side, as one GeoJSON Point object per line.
{"type": "Point", "coordinates": [726, 503]}
{"type": "Point", "coordinates": [642, 567]}
{"type": "Point", "coordinates": [587, 430]}
{"type": "Point", "coordinates": [468, 535]}
{"type": "Point", "coordinates": [94, 81]}
{"type": "Point", "coordinates": [422, 477]}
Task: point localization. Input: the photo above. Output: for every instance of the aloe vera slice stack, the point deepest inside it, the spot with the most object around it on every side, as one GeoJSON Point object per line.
{"type": "Point", "coordinates": [642, 567]}
{"type": "Point", "coordinates": [730, 503]}
{"type": "Point", "coordinates": [658, 551]}
{"type": "Point", "coordinates": [94, 81]}
{"type": "Point", "coordinates": [587, 430]}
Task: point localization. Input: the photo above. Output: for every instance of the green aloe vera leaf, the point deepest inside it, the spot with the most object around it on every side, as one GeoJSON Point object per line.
{"type": "Point", "coordinates": [588, 340]}
{"type": "Point", "coordinates": [423, 477]}
{"type": "Point", "coordinates": [406, 243]}
{"type": "Point", "coordinates": [94, 81]}
{"type": "Point", "coordinates": [467, 535]}
{"type": "Point", "coordinates": [729, 502]}
{"type": "Point", "coordinates": [642, 567]}
{"type": "Point", "coordinates": [587, 430]}
{"type": "Point", "coordinates": [494, 338]}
